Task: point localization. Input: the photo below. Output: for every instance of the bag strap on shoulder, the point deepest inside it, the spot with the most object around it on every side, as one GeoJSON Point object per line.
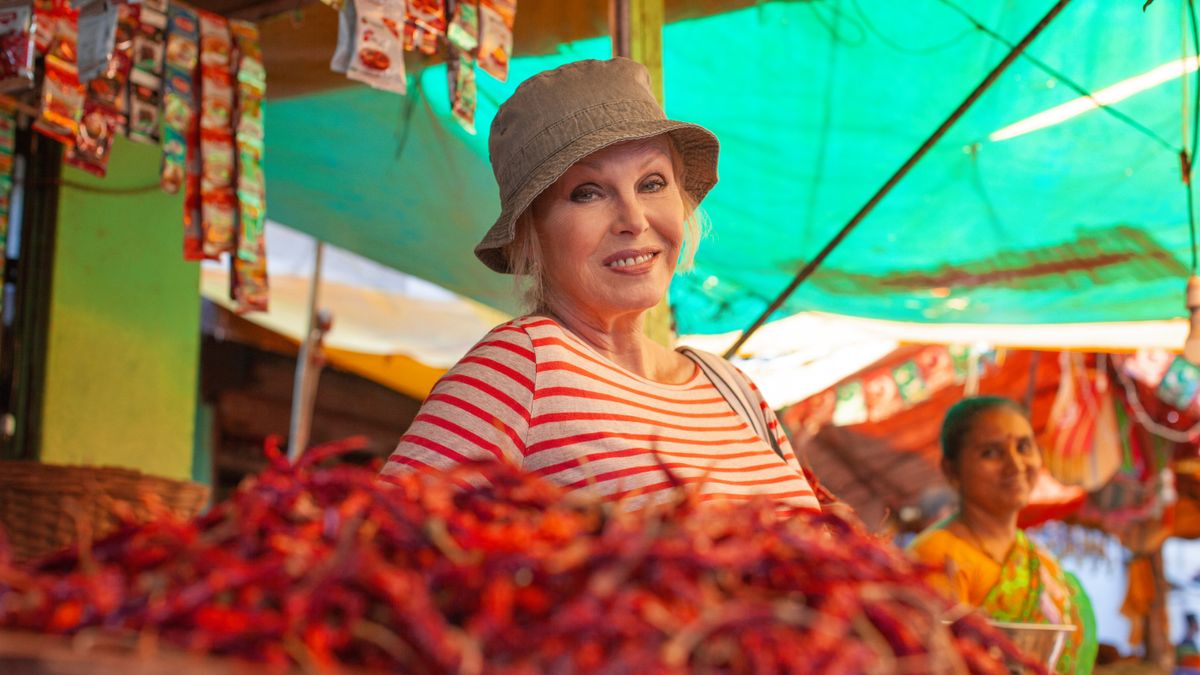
{"type": "Point", "coordinates": [735, 390]}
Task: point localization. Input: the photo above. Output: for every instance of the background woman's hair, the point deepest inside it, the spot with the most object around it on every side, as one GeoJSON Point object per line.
{"type": "Point", "coordinates": [960, 417]}
{"type": "Point", "coordinates": [525, 254]}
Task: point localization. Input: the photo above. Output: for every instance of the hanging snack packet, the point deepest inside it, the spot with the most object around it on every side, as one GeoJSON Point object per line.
{"type": "Point", "coordinates": [183, 40]}
{"type": "Point", "coordinates": [62, 102]}
{"type": "Point", "coordinates": [8, 129]}
{"type": "Point", "coordinates": [460, 70]}
{"type": "Point", "coordinates": [111, 88]}
{"type": "Point", "coordinates": [218, 202]}
{"type": "Point", "coordinates": [464, 28]}
{"type": "Point", "coordinates": [218, 215]}
{"type": "Point", "coordinates": [496, 19]}
{"type": "Point", "coordinates": [379, 49]}
{"type": "Point", "coordinates": [149, 43]}
{"type": "Point", "coordinates": [145, 105]}
{"type": "Point", "coordinates": [16, 45]}
{"type": "Point", "coordinates": [429, 15]}
{"type": "Point", "coordinates": [251, 186]}
{"type": "Point", "coordinates": [248, 283]}
{"type": "Point", "coordinates": [179, 99]}
{"type": "Point", "coordinates": [44, 20]}
{"type": "Point", "coordinates": [97, 31]}
{"type": "Point", "coordinates": [93, 138]}
{"type": "Point", "coordinates": [426, 41]}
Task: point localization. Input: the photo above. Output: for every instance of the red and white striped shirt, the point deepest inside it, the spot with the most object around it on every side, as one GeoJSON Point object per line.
{"type": "Point", "coordinates": [534, 394]}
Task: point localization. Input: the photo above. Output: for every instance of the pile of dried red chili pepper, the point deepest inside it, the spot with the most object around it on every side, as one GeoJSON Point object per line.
{"type": "Point", "coordinates": [325, 566]}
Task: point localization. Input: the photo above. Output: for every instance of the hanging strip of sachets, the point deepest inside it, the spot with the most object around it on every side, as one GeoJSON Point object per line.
{"type": "Point", "coordinates": [62, 94]}
{"type": "Point", "coordinates": [95, 56]}
{"type": "Point", "coordinates": [463, 36]}
{"type": "Point", "coordinates": [179, 97]}
{"type": "Point", "coordinates": [145, 80]}
{"type": "Point", "coordinates": [218, 199]}
{"type": "Point", "coordinates": [8, 141]}
{"type": "Point", "coordinates": [249, 278]}
{"type": "Point", "coordinates": [110, 89]}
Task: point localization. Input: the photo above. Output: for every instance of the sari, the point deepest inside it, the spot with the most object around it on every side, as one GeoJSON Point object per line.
{"type": "Point", "coordinates": [1028, 587]}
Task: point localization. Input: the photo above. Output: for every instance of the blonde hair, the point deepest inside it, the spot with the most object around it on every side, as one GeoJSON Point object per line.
{"type": "Point", "coordinates": [524, 253]}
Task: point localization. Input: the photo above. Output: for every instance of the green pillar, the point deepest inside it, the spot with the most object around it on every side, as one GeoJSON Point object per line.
{"type": "Point", "coordinates": [124, 337]}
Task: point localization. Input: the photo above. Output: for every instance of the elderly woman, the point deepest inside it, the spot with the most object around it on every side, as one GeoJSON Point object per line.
{"type": "Point", "coordinates": [598, 196]}
{"type": "Point", "coordinates": [983, 559]}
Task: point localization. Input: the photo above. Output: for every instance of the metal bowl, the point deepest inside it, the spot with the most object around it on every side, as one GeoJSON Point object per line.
{"type": "Point", "coordinates": [1043, 641]}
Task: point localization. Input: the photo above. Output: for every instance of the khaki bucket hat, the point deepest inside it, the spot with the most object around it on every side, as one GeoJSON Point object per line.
{"type": "Point", "coordinates": [558, 117]}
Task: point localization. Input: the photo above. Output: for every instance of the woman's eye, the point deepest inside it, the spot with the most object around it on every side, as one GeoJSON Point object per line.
{"type": "Point", "coordinates": [1025, 446]}
{"type": "Point", "coordinates": [585, 193]}
{"type": "Point", "coordinates": [654, 184]}
{"type": "Point", "coordinates": [991, 451]}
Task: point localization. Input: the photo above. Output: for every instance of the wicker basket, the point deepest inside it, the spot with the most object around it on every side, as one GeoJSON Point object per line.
{"type": "Point", "coordinates": [44, 507]}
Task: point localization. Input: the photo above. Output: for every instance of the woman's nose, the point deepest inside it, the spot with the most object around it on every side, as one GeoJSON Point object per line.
{"type": "Point", "coordinates": [630, 216]}
{"type": "Point", "coordinates": [1013, 458]}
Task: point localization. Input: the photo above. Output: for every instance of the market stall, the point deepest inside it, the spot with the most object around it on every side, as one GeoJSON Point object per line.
{"type": "Point", "coordinates": [1116, 430]}
{"type": "Point", "coordinates": [317, 565]}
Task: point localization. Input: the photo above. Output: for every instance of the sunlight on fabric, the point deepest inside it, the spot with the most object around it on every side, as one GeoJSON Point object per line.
{"type": "Point", "coordinates": [1107, 96]}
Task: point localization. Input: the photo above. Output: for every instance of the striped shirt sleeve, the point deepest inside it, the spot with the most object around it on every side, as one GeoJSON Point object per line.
{"type": "Point", "coordinates": [479, 410]}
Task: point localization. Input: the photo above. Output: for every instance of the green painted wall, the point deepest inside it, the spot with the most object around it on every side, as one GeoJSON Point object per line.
{"type": "Point", "coordinates": [124, 344]}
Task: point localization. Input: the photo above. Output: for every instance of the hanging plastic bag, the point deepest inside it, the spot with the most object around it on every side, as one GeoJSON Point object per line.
{"type": "Point", "coordinates": [1107, 451]}
{"type": "Point", "coordinates": [1069, 433]}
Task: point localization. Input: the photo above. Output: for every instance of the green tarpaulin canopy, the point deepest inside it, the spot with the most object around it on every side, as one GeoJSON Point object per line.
{"type": "Point", "coordinates": [816, 104]}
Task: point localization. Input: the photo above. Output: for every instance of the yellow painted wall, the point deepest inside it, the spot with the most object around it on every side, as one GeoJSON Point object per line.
{"type": "Point", "coordinates": [124, 342]}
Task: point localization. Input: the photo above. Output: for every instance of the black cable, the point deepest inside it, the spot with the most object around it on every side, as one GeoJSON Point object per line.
{"type": "Point", "coordinates": [1190, 159]}
{"type": "Point", "coordinates": [84, 187]}
{"type": "Point", "coordinates": [833, 29]}
{"type": "Point", "coordinates": [919, 51]}
{"type": "Point", "coordinates": [1071, 84]}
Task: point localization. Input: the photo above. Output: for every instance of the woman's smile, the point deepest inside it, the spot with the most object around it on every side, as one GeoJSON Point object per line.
{"type": "Point", "coordinates": [632, 262]}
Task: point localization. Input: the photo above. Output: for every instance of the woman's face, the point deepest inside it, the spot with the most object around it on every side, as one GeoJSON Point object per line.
{"type": "Point", "coordinates": [999, 462]}
{"type": "Point", "coordinates": [610, 230]}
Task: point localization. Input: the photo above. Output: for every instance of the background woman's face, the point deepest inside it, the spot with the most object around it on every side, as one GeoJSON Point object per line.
{"type": "Point", "coordinates": [610, 230]}
{"type": "Point", "coordinates": [999, 462]}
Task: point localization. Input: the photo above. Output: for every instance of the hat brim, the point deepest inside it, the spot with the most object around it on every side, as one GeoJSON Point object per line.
{"type": "Point", "coordinates": [697, 146]}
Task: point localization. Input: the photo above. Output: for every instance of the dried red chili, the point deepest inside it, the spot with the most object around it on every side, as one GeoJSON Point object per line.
{"type": "Point", "coordinates": [487, 569]}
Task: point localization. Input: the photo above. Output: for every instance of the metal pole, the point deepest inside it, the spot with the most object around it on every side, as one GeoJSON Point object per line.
{"type": "Point", "coordinates": [812, 265]}
{"type": "Point", "coordinates": [619, 26]}
{"type": "Point", "coordinates": [301, 419]}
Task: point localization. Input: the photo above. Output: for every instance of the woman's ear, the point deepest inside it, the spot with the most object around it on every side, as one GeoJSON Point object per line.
{"type": "Point", "coordinates": [950, 471]}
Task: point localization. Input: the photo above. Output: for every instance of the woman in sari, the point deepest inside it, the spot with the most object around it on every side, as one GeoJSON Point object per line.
{"type": "Point", "coordinates": [982, 558]}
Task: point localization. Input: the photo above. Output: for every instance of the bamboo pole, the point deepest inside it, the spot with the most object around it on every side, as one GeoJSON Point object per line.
{"type": "Point", "coordinates": [636, 29]}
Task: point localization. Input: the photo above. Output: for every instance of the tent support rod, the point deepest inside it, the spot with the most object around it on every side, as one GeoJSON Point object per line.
{"type": "Point", "coordinates": [812, 265]}
{"type": "Point", "coordinates": [304, 385]}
